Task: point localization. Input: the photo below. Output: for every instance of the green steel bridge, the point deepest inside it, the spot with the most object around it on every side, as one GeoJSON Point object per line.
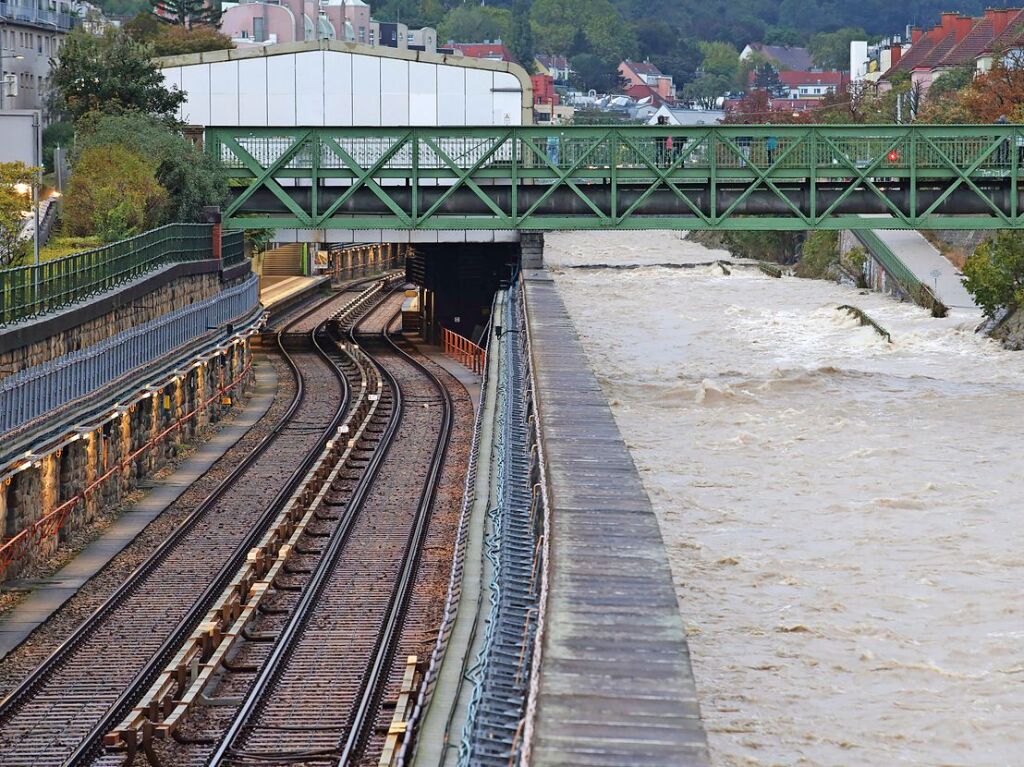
{"type": "Point", "coordinates": [538, 179]}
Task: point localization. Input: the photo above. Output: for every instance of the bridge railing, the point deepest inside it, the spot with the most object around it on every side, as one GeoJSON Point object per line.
{"type": "Point", "coordinates": [31, 291]}
{"type": "Point", "coordinates": [786, 177]}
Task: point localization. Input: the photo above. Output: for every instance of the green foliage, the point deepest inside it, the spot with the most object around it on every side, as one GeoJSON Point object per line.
{"type": "Point", "coordinates": [831, 50]}
{"type": "Point", "coordinates": [521, 35]}
{"type": "Point", "coordinates": [15, 179]}
{"type": "Point", "coordinates": [951, 82]}
{"type": "Point", "coordinates": [818, 254]}
{"type": "Point", "coordinates": [257, 241]}
{"type": "Point", "coordinates": [191, 178]}
{"type": "Point", "coordinates": [591, 71]}
{"type": "Point", "coordinates": [582, 26]}
{"type": "Point", "coordinates": [175, 39]}
{"type": "Point", "coordinates": [187, 13]}
{"type": "Point", "coordinates": [59, 247]}
{"type": "Point", "coordinates": [706, 90]}
{"type": "Point", "coordinates": [720, 59]}
{"type": "Point", "coordinates": [994, 274]}
{"type": "Point", "coordinates": [475, 23]}
{"type": "Point", "coordinates": [415, 13]}
{"type": "Point", "coordinates": [110, 72]}
{"type": "Point", "coordinates": [113, 194]}
{"type": "Point", "coordinates": [56, 134]}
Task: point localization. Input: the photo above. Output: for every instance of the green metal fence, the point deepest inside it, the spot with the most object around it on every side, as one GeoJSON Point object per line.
{"type": "Point", "coordinates": [233, 248]}
{"type": "Point", "coordinates": [30, 291]}
{"type": "Point", "coordinates": [916, 290]}
{"type": "Point", "coordinates": [704, 177]}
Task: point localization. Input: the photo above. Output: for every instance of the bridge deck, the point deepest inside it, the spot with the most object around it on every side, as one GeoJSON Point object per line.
{"type": "Point", "coordinates": [616, 686]}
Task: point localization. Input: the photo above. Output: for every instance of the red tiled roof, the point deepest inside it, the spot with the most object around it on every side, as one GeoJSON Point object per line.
{"type": "Point", "coordinates": [497, 51]}
{"type": "Point", "coordinates": [559, 62]}
{"type": "Point", "coordinates": [1011, 35]}
{"type": "Point", "coordinates": [640, 92]}
{"type": "Point", "coordinates": [972, 45]}
{"type": "Point", "coordinates": [789, 58]}
{"type": "Point", "coordinates": [642, 68]}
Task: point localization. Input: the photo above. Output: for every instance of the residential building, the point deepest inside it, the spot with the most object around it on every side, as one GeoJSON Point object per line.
{"type": "Point", "coordinates": [557, 67]}
{"type": "Point", "coordinates": [257, 22]}
{"type": "Point", "coordinates": [807, 85]}
{"type": "Point", "coordinates": [645, 73]}
{"type": "Point", "coordinates": [29, 37]}
{"type": "Point", "coordinates": [675, 116]}
{"type": "Point", "coordinates": [547, 104]}
{"type": "Point", "coordinates": [869, 62]}
{"type": "Point", "coordinates": [492, 51]}
{"type": "Point", "coordinates": [792, 59]}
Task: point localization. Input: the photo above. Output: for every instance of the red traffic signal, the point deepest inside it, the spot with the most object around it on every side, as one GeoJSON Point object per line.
{"type": "Point", "coordinates": [893, 156]}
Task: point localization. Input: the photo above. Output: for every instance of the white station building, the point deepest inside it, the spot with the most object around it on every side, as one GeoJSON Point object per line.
{"type": "Point", "coordinates": [331, 83]}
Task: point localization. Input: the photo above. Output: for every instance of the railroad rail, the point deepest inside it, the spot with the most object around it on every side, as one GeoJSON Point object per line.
{"type": "Point", "coordinates": [60, 713]}
{"type": "Point", "coordinates": [320, 692]}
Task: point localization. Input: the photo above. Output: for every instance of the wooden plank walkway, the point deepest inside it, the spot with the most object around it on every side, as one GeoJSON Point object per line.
{"type": "Point", "coordinates": [616, 687]}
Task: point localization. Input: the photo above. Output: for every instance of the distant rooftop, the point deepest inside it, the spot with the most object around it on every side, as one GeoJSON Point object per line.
{"type": "Point", "coordinates": [792, 59]}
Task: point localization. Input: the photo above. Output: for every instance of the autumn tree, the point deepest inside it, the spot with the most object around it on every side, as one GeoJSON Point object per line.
{"type": "Point", "coordinates": [113, 193]}
{"type": "Point", "coordinates": [15, 182]}
{"type": "Point", "coordinates": [175, 39]}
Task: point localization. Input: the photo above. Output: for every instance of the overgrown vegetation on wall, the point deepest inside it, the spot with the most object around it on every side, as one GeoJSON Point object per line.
{"type": "Point", "coordinates": [994, 274]}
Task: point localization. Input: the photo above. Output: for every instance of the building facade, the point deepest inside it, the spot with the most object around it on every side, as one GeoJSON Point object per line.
{"type": "Point", "coordinates": [29, 38]}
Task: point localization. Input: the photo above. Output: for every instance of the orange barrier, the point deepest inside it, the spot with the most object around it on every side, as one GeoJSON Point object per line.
{"type": "Point", "coordinates": [464, 351]}
{"type": "Point", "coordinates": [16, 548]}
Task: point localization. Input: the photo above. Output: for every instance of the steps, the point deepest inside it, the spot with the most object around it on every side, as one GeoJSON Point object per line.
{"type": "Point", "coordinates": [285, 261]}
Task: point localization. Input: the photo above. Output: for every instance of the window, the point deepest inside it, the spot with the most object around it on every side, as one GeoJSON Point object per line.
{"type": "Point", "coordinates": [362, 34]}
{"type": "Point", "coordinates": [259, 29]}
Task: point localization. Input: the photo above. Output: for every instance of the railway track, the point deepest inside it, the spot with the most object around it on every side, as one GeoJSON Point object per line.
{"type": "Point", "coordinates": [60, 713]}
{"type": "Point", "coordinates": [314, 689]}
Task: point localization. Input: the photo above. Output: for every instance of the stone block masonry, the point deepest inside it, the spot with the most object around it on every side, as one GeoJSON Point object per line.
{"type": "Point", "coordinates": [95, 466]}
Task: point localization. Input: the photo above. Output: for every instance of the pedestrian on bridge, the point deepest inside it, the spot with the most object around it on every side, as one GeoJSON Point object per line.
{"type": "Point", "coordinates": [771, 145]}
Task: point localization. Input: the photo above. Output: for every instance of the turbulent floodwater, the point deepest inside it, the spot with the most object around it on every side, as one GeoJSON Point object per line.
{"type": "Point", "coordinates": [843, 516]}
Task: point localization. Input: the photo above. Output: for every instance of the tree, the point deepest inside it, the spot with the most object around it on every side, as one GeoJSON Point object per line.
{"type": "Point", "coordinates": [186, 13]}
{"type": "Point", "coordinates": [113, 193]}
{"type": "Point", "coordinates": [706, 90]}
{"type": "Point", "coordinates": [521, 35]}
{"type": "Point", "coordinates": [174, 39]}
{"type": "Point", "coordinates": [591, 71]}
{"type": "Point", "coordinates": [16, 180]}
{"type": "Point", "coordinates": [953, 81]}
{"type": "Point", "coordinates": [191, 178]}
{"type": "Point", "coordinates": [557, 25]}
{"type": "Point", "coordinates": [110, 72]}
{"type": "Point", "coordinates": [720, 59]}
{"type": "Point", "coordinates": [475, 23]}
{"type": "Point", "coordinates": [831, 50]}
{"type": "Point", "coordinates": [766, 77]}
{"type": "Point", "coordinates": [994, 274]}
{"type": "Point", "coordinates": [785, 36]}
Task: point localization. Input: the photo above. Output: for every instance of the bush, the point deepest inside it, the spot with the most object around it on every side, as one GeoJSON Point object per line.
{"type": "Point", "coordinates": [994, 275]}
{"type": "Point", "coordinates": [113, 193]}
{"type": "Point", "coordinates": [191, 177]}
{"type": "Point", "coordinates": [820, 252]}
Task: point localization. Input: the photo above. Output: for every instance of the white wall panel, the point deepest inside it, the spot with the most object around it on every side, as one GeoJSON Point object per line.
{"type": "Point", "coordinates": [479, 100]}
{"type": "Point", "coordinates": [394, 92]}
{"type": "Point", "coordinates": [508, 99]}
{"type": "Point", "coordinates": [172, 79]}
{"type": "Point", "coordinates": [281, 90]}
{"type": "Point", "coordinates": [366, 93]}
{"type": "Point", "coordinates": [422, 93]}
{"type": "Point", "coordinates": [451, 96]}
{"type": "Point", "coordinates": [337, 88]}
{"type": "Point", "coordinates": [252, 92]}
{"type": "Point", "coordinates": [309, 86]}
{"type": "Point", "coordinates": [195, 81]}
{"type": "Point", "coordinates": [224, 93]}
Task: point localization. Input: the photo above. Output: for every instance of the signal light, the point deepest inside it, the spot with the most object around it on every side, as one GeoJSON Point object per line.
{"type": "Point", "coordinates": [893, 156]}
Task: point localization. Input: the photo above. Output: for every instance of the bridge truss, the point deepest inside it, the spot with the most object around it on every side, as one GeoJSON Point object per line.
{"type": "Point", "coordinates": [709, 177]}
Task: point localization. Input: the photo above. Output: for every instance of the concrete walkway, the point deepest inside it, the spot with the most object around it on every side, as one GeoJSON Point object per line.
{"type": "Point", "coordinates": [49, 594]}
{"type": "Point", "coordinates": [924, 260]}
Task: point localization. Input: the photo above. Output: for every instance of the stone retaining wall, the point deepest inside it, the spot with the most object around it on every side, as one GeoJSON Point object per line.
{"type": "Point", "coordinates": [174, 294]}
{"type": "Point", "coordinates": [113, 456]}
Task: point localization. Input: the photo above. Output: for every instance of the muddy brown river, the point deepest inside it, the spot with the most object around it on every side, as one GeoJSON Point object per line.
{"type": "Point", "coordinates": [843, 515]}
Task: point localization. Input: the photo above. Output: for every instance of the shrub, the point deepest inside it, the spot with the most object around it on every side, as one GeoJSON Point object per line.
{"type": "Point", "coordinates": [113, 193]}
{"type": "Point", "coordinates": [994, 275]}
{"type": "Point", "coordinates": [820, 252]}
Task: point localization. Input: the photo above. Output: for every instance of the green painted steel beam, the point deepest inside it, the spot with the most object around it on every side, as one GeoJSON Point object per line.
{"type": "Point", "coordinates": [949, 165]}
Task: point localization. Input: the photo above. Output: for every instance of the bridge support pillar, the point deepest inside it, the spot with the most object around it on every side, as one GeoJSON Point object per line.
{"type": "Point", "coordinates": [531, 250]}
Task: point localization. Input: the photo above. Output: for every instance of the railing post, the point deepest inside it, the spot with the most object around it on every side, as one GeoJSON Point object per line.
{"type": "Point", "coordinates": [211, 215]}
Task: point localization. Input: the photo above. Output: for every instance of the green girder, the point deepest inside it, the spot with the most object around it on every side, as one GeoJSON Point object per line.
{"type": "Point", "coordinates": [598, 164]}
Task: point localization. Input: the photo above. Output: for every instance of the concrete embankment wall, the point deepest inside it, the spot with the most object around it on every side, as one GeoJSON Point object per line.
{"type": "Point", "coordinates": [85, 459]}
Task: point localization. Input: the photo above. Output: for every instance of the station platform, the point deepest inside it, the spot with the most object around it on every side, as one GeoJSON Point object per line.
{"type": "Point", "coordinates": [615, 685]}
{"type": "Point", "coordinates": [276, 292]}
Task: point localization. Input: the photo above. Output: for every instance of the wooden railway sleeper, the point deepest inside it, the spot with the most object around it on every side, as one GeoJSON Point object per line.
{"type": "Point", "coordinates": [181, 684]}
